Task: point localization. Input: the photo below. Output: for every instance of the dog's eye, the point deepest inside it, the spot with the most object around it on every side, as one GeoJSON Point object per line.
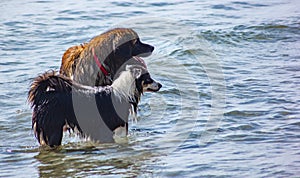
{"type": "Point", "coordinates": [134, 41]}
{"type": "Point", "coordinates": [147, 81]}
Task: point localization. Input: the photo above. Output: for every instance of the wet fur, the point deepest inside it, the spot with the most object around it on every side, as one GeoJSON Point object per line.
{"type": "Point", "coordinates": [51, 96]}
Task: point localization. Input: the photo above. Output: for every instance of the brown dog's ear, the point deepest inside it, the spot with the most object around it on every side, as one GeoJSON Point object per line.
{"type": "Point", "coordinates": [114, 44]}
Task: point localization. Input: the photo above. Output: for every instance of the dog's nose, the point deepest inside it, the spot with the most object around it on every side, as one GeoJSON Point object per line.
{"type": "Point", "coordinates": [159, 85]}
{"type": "Point", "coordinates": [152, 48]}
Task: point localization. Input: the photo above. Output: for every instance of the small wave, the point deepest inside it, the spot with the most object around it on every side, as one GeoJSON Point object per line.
{"type": "Point", "coordinates": [224, 7]}
{"type": "Point", "coordinates": [257, 33]}
{"type": "Point", "coordinates": [248, 5]}
{"type": "Point", "coordinates": [238, 113]}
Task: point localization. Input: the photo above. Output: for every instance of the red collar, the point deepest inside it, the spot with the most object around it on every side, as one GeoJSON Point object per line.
{"type": "Point", "coordinates": [101, 67]}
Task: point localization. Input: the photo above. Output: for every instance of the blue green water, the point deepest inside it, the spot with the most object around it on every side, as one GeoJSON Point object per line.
{"type": "Point", "coordinates": [229, 106]}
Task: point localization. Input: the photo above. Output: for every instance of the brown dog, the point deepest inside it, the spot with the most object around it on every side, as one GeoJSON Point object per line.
{"type": "Point", "coordinates": [96, 63]}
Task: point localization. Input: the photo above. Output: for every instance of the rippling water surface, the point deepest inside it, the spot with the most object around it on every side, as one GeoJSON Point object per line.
{"type": "Point", "coordinates": [229, 106]}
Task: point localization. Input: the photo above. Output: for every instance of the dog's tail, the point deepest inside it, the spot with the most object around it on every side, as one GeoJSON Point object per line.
{"type": "Point", "coordinates": [44, 84]}
{"type": "Point", "coordinates": [51, 100]}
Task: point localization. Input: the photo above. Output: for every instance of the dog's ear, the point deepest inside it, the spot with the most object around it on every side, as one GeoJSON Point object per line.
{"type": "Point", "coordinates": [136, 71]}
{"type": "Point", "coordinates": [114, 45]}
{"type": "Point", "coordinates": [128, 67]}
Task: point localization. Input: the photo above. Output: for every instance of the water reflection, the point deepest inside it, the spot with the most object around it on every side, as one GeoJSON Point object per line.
{"type": "Point", "coordinates": [108, 159]}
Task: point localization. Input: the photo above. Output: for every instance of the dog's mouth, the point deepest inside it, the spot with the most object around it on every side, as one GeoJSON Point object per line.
{"type": "Point", "coordinates": [145, 54]}
{"type": "Point", "coordinates": [152, 90]}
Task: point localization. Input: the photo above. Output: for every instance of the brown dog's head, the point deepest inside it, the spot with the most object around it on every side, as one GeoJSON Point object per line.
{"type": "Point", "coordinates": [126, 44]}
{"type": "Point", "coordinates": [121, 44]}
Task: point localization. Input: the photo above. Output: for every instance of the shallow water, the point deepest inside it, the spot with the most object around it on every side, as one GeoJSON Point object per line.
{"type": "Point", "coordinates": [229, 106]}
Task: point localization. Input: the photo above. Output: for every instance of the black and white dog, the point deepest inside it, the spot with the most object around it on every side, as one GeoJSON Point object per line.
{"type": "Point", "coordinates": [98, 113]}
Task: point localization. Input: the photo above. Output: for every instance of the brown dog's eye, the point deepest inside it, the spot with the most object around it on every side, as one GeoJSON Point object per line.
{"type": "Point", "coordinates": [134, 41]}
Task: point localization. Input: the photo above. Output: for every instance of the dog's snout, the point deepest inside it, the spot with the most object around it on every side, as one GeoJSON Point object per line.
{"type": "Point", "coordinates": [142, 49]}
{"type": "Point", "coordinates": [159, 85]}
{"type": "Point", "coordinates": [151, 48]}
{"type": "Point", "coordinates": [148, 49]}
{"type": "Point", "coordinates": [154, 87]}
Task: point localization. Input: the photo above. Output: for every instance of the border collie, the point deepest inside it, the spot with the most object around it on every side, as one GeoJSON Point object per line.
{"type": "Point", "coordinates": [98, 113]}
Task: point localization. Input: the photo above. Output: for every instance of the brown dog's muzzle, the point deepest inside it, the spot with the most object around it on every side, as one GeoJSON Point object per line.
{"type": "Point", "coordinates": [142, 49]}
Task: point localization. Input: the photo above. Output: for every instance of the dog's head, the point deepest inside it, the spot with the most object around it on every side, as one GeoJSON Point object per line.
{"type": "Point", "coordinates": [134, 81]}
{"type": "Point", "coordinates": [146, 84]}
{"type": "Point", "coordinates": [126, 43]}
{"type": "Point", "coordinates": [143, 80]}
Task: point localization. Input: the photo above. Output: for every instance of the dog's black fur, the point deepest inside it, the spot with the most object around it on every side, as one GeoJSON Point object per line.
{"type": "Point", "coordinates": [52, 98]}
